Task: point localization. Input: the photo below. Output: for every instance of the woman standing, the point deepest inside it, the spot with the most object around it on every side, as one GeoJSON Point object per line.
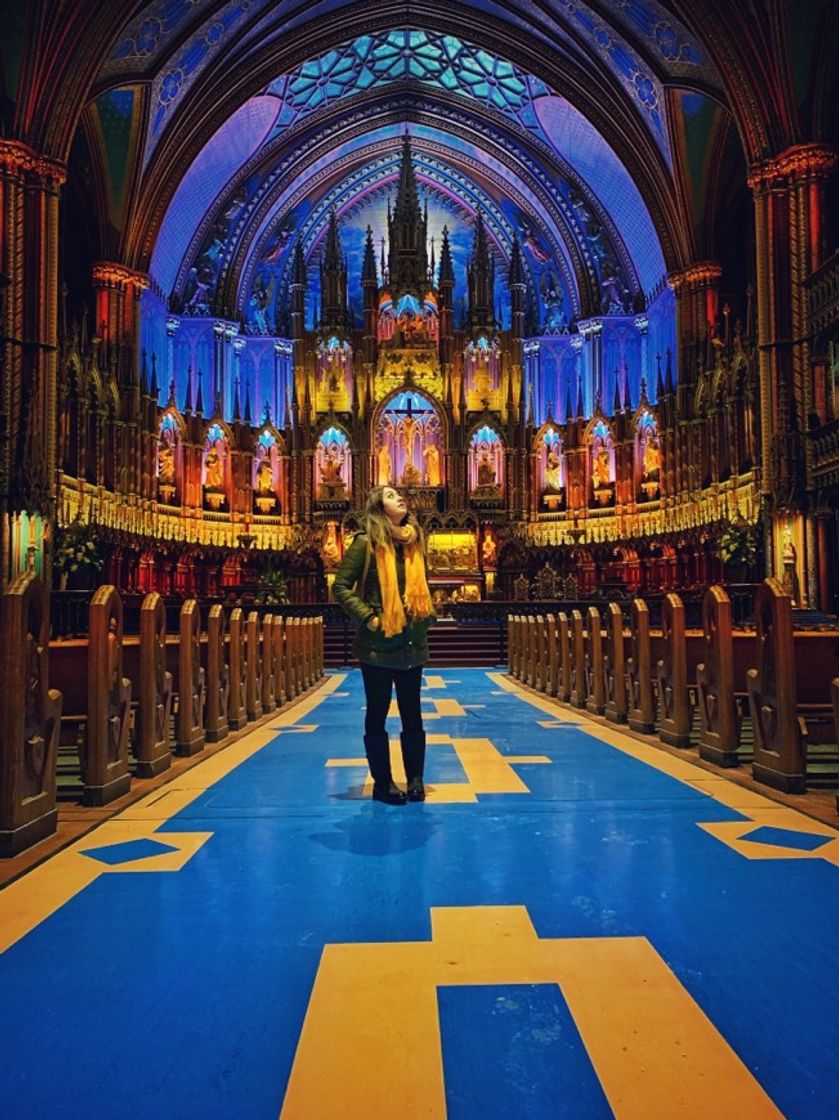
{"type": "Point", "coordinates": [382, 585]}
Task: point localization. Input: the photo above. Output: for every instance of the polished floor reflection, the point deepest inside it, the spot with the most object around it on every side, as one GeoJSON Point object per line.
{"type": "Point", "coordinates": [575, 924]}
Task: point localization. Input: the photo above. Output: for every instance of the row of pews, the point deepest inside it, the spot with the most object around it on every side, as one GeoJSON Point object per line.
{"type": "Point", "coordinates": [88, 714]}
{"type": "Point", "coordinates": [769, 696]}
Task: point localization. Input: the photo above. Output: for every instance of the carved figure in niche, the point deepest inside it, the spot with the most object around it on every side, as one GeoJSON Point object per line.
{"type": "Point", "coordinates": [330, 471]}
{"type": "Point", "coordinates": [489, 550]}
{"type": "Point", "coordinates": [330, 381]}
{"type": "Point", "coordinates": [601, 469]}
{"type": "Point", "coordinates": [652, 459]}
{"type": "Point", "coordinates": [789, 580]}
{"type": "Point", "coordinates": [486, 471]}
{"type": "Point", "coordinates": [265, 477]}
{"type": "Point", "coordinates": [411, 476]}
{"type": "Point", "coordinates": [213, 469]}
{"type": "Point", "coordinates": [331, 552]}
{"type": "Point", "coordinates": [432, 465]}
{"type": "Point", "coordinates": [166, 459]}
{"type": "Point", "coordinates": [553, 472]}
{"type": "Point", "coordinates": [611, 293]}
{"type": "Point", "coordinates": [259, 308]}
{"type": "Point", "coordinates": [555, 318]}
{"type": "Point", "coordinates": [385, 465]}
{"type": "Point", "coordinates": [482, 383]}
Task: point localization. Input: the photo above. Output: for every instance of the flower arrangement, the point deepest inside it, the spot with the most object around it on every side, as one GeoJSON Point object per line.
{"type": "Point", "coordinates": [76, 549]}
{"type": "Point", "coordinates": [737, 546]}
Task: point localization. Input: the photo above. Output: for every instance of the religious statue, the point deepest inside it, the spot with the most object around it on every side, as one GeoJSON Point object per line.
{"type": "Point", "coordinates": [486, 471]}
{"type": "Point", "coordinates": [331, 552]}
{"type": "Point", "coordinates": [265, 477]}
{"type": "Point", "coordinates": [385, 465]}
{"type": "Point", "coordinates": [166, 461]}
{"type": "Point", "coordinates": [553, 472]}
{"type": "Point", "coordinates": [481, 382]}
{"type": "Point", "coordinates": [651, 459]}
{"type": "Point", "coordinates": [601, 471]}
{"type": "Point", "coordinates": [411, 476]}
{"type": "Point", "coordinates": [789, 580]}
{"type": "Point", "coordinates": [432, 465]}
{"type": "Point", "coordinates": [330, 471]}
{"type": "Point", "coordinates": [213, 470]}
{"type": "Point", "coordinates": [489, 550]}
{"type": "Point", "coordinates": [329, 379]}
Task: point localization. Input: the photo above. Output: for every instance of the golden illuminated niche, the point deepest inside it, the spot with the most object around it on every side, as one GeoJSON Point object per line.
{"type": "Point", "coordinates": [452, 551]}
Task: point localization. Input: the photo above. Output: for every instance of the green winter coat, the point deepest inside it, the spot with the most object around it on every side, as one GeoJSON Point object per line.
{"type": "Point", "coordinates": [402, 651]}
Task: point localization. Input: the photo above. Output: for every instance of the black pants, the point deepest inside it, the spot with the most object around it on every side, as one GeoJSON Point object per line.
{"type": "Point", "coordinates": [378, 689]}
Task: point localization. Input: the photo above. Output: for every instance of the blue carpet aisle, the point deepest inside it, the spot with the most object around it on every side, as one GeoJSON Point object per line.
{"type": "Point", "coordinates": [574, 925]}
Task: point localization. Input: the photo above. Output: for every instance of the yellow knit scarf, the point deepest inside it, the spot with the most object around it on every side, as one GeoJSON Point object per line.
{"type": "Point", "coordinates": [417, 599]}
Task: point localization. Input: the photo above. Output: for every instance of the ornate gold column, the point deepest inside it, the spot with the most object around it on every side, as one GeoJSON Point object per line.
{"type": "Point", "coordinates": [29, 193]}
{"type": "Point", "coordinates": [789, 216]}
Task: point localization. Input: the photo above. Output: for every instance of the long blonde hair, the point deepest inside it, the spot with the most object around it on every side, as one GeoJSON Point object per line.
{"type": "Point", "coordinates": [378, 523]}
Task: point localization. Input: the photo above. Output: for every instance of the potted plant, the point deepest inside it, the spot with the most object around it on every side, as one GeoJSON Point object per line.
{"type": "Point", "coordinates": [77, 560]}
{"type": "Point", "coordinates": [737, 548]}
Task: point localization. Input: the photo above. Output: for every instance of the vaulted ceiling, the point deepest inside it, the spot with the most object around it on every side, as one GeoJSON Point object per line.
{"type": "Point", "coordinates": [600, 132]}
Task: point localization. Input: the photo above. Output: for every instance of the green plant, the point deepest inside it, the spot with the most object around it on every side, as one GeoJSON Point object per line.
{"type": "Point", "coordinates": [273, 585]}
{"type": "Point", "coordinates": [76, 549]}
{"type": "Point", "coordinates": [737, 545]}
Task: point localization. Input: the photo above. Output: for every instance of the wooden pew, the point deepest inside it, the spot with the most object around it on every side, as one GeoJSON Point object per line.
{"type": "Point", "coordinates": [269, 702]}
{"type": "Point", "coordinates": [719, 725]}
{"type": "Point", "coordinates": [614, 667]}
{"type": "Point", "coordinates": [253, 676]}
{"type": "Point", "coordinates": [511, 652]}
{"type": "Point", "coordinates": [639, 677]}
{"type": "Point", "coordinates": [595, 694]}
{"type": "Point", "coordinates": [291, 632]}
{"type": "Point", "coordinates": [308, 652]}
{"type": "Point", "coordinates": [780, 751]}
{"type": "Point", "coordinates": [671, 675]}
{"type": "Point", "coordinates": [153, 740]}
{"type": "Point", "coordinates": [540, 655]}
{"type": "Point", "coordinates": [218, 678]}
{"type": "Point", "coordinates": [191, 688]}
{"type": "Point", "coordinates": [30, 717]}
{"type": "Point", "coordinates": [237, 715]}
{"type": "Point", "coordinates": [552, 673]}
{"type": "Point", "coordinates": [104, 753]}
{"type": "Point", "coordinates": [278, 640]}
{"type": "Point", "coordinates": [577, 695]}
{"type": "Point", "coordinates": [563, 686]}
{"type": "Point", "coordinates": [518, 647]}
{"type": "Point", "coordinates": [530, 651]}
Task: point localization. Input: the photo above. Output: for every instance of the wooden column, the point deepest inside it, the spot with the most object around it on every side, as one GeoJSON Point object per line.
{"type": "Point", "coordinates": [780, 750]}
{"type": "Point", "coordinates": [237, 715]}
{"type": "Point", "coordinates": [218, 678]}
{"type": "Point", "coordinates": [191, 691]}
{"type": "Point", "coordinates": [671, 674]}
{"type": "Point", "coordinates": [153, 748]}
{"type": "Point", "coordinates": [104, 755]}
{"type": "Point", "coordinates": [268, 701]}
{"type": "Point", "coordinates": [639, 678]}
{"type": "Point", "coordinates": [595, 695]}
{"type": "Point", "coordinates": [614, 668]}
{"type": "Point", "coordinates": [719, 727]}
{"type": "Point", "coordinates": [30, 717]}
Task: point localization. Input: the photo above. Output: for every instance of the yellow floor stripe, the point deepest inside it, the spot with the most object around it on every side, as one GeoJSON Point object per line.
{"type": "Point", "coordinates": [31, 899]}
{"type": "Point", "coordinates": [373, 1011]}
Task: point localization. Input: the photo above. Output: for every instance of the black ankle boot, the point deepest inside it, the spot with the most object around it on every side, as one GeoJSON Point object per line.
{"type": "Point", "coordinates": [416, 790]}
{"type": "Point", "coordinates": [390, 794]}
